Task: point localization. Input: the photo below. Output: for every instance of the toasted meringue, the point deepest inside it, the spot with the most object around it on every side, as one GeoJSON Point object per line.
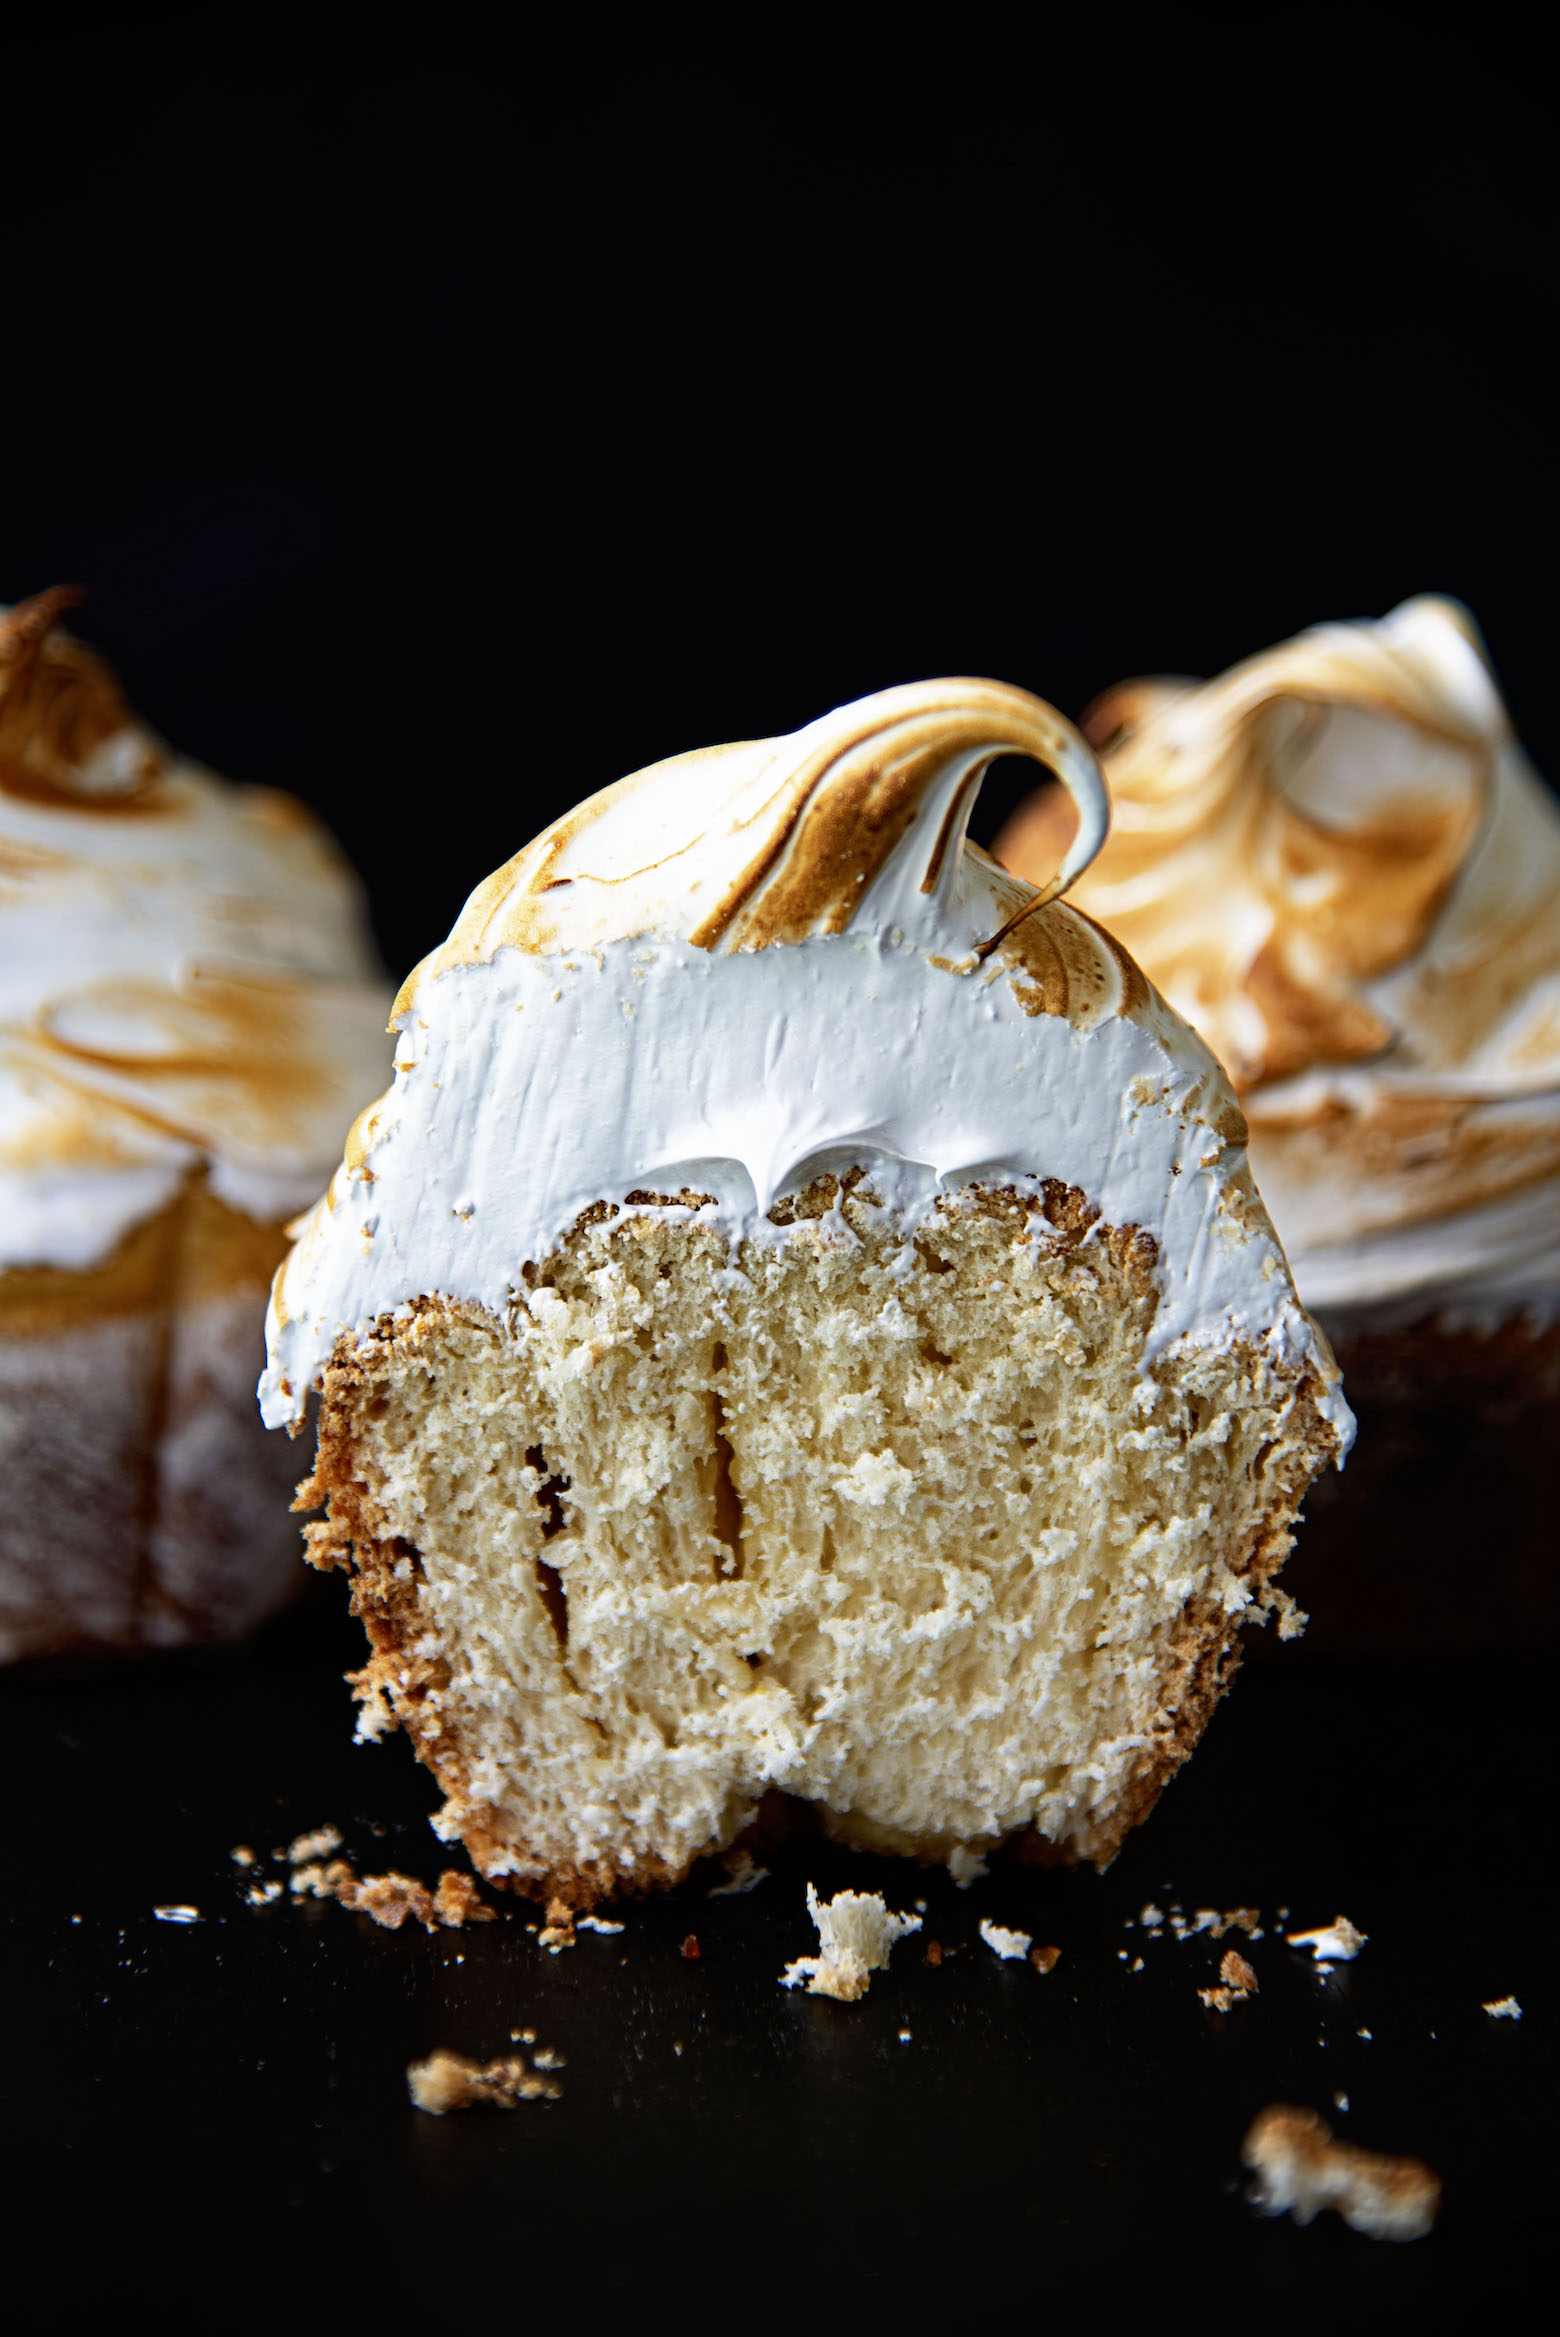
{"type": "Point", "coordinates": [1337, 862]}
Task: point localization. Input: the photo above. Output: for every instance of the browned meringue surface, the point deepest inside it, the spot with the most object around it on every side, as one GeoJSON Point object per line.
{"type": "Point", "coordinates": [186, 982]}
{"type": "Point", "coordinates": [1337, 862]}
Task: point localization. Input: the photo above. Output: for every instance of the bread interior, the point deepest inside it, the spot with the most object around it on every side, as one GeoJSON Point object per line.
{"type": "Point", "coordinates": [888, 1517]}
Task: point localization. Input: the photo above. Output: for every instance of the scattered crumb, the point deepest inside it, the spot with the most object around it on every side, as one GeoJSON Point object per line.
{"type": "Point", "coordinates": [966, 1866]}
{"type": "Point", "coordinates": [1337, 1942]}
{"type": "Point", "coordinates": [1340, 2101]}
{"type": "Point", "coordinates": [241, 1854]}
{"type": "Point", "coordinates": [690, 1948]}
{"type": "Point", "coordinates": [1045, 1959]}
{"type": "Point", "coordinates": [449, 2081]}
{"type": "Point", "coordinates": [905, 2037]}
{"type": "Point", "coordinates": [1301, 2169]}
{"type": "Point", "coordinates": [457, 1901]}
{"type": "Point", "coordinates": [1121, 1955]}
{"type": "Point", "coordinates": [177, 1914]}
{"type": "Point", "coordinates": [856, 1934]}
{"type": "Point", "coordinates": [1237, 1982]}
{"type": "Point", "coordinates": [393, 1899]}
{"type": "Point", "coordinates": [1504, 2008]}
{"type": "Point", "coordinates": [558, 1931]}
{"type": "Point", "coordinates": [677, 2047]}
{"type": "Point", "coordinates": [596, 1923]}
{"type": "Point", "coordinates": [1136, 1964]}
{"type": "Point", "coordinates": [262, 1894]}
{"type": "Point", "coordinates": [306, 1847]}
{"type": "Point", "coordinates": [1151, 1916]}
{"type": "Point", "coordinates": [1011, 1946]}
{"type": "Point", "coordinates": [1292, 1620]}
{"type": "Point", "coordinates": [1365, 2033]}
{"type": "Point", "coordinates": [522, 2036]}
{"type": "Point", "coordinates": [933, 1956]}
{"type": "Point", "coordinates": [741, 1875]}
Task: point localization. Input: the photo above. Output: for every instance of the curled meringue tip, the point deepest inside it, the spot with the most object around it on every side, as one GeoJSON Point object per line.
{"type": "Point", "coordinates": [24, 626]}
{"type": "Point", "coordinates": [857, 819]}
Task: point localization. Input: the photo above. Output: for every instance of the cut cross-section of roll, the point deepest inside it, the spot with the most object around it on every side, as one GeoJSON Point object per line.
{"type": "Point", "coordinates": [800, 1322]}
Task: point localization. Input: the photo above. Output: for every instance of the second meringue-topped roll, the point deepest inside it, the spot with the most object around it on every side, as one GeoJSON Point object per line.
{"type": "Point", "coordinates": [190, 1015]}
{"type": "Point", "coordinates": [800, 1321]}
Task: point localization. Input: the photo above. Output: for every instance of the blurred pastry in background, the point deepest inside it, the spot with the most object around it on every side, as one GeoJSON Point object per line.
{"type": "Point", "coordinates": [190, 1015]}
{"type": "Point", "coordinates": [1338, 863]}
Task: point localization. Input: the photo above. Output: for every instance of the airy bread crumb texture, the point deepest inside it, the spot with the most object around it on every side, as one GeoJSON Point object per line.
{"type": "Point", "coordinates": [889, 1518]}
{"type": "Point", "coordinates": [1301, 2168]}
{"type": "Point", "coordinates": [857, 1933]}
{"type": "Point", "coordinates": [451, 2081]}
{"type": "Point", "coordinates": [392, 1899]}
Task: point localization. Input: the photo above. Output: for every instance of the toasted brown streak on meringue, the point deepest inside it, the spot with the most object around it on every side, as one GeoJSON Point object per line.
{"type": "Point", "coordinates": [1256, 912]}
{"type": "Point", "coordinates": [804, 835]}
{"type": "Point", "coordinates": [60, 708]}
{"type": "Point", "coordinates": [1337, 862]}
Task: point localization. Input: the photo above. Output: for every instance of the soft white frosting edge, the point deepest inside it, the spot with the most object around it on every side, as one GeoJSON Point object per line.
{"type": "Point", "coordinates": [529, 1087]}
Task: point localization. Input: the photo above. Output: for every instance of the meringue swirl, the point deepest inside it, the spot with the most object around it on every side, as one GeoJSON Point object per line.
{"type": "Point", "coordinates": [1337, 862]}
{"type": "Point", "coordinates": [186, 978]}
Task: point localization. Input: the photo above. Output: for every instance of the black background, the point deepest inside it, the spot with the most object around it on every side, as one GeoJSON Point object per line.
{"type": "Point", "coordinates": [445, 420]}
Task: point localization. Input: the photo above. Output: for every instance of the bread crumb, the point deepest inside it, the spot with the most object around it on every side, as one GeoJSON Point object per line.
{"type": "Point", "coordinates": [596, 1923]}
{"type": "Point", "coordinates": [966, 1866]}
{"type": "Point", "coordinates": [856, 1934]}
{"type": "Point", "coordinates": [241, 1854]}
{"type": "Point", "coordinates": [457, 1901]}
{"type": "Point", "coordinates": [1011, 1946]}
{"type": "Point", "coordinates": [558, 1931]}
{"type": "Point", "coordinates": [1301, 2169]}
{"type": "Point", "coordinates": [1337, 1942]}
{"type": "Point", "coordinates": [690, 1948]}
{"type": "Point", "coordinates": [741, 1875]}
{"type": "Point", "coordinates": [1151, 1917]}
{"type": "Point", "coordinates": [392, 1899]}
{"type": "Point", "coordinates": [933, 1956]}
{"type": "Point", "coordinates": [262, 1894]}
{"type": "Point", "coordinates": [450, 2081]}
{"type": "Point", "coordinates": [1340, 2101]}
{"type": "Point", "coordinates": [305, 1847]}
{"type": "Point", "coordinates": [177, 1914]}
{"type": "Point", "coordinates": [1237, 1982]}
{"type": "Point", "coordinates": [1504, 2008]}
{"type": "Point", "coordinates": [1045, 1959]}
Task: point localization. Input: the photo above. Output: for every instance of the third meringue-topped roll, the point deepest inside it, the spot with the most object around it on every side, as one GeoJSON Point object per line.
{"type": "Point", "coordinates": [800, 1321]}
{"type": "Point", "coordinates": [1336, 860]}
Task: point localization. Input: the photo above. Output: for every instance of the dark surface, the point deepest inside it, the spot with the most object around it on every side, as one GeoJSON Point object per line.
{"type": "Point", "coordinates": [442, 428]}
{"type": "Point", "coordinates": [201, 2102]}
